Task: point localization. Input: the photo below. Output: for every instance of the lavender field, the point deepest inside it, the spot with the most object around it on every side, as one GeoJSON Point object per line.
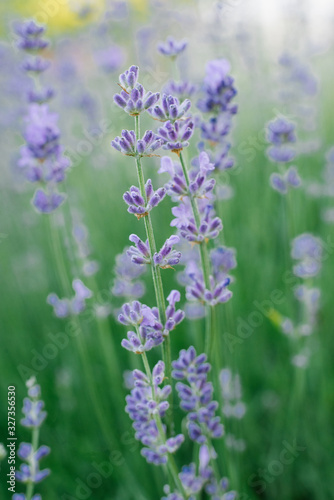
{"type": "Point", "coordinates": [167, 250]}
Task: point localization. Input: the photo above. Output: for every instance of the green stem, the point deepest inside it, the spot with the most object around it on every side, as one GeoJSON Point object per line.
{"type": "Point", "coordinates": [157, 280]}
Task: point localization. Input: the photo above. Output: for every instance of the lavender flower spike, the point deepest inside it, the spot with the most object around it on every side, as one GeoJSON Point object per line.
{"type": "Point", "coordinates": [175, 135]}
{"type": "Point", "coordinates": [137, 205]}
{"type": "Point", "coordinates": [129, 146]}
{"type": "Point", "coordinates": [167, 257]}
{"type": "Point", "coordinates": [136, 101]}
{"type": "Point", "coordinates": [170, 109]}
{"type": "Point", "coordinates": [196, 396]}
{"type": "Point", "coordinates": [146, 404]}
{"type": "Point", "coordinates": [140, 253]}
{"type": "Point", "coordinates": [129, 78]}
{"type": "Point", "coordinates": [307, 249]}
{"type": "Point", "coordinates": [30, 37]}
{"type": "Point", "coordinates": [172, 48]}
{"type": "Point", "coordinates": [31, 454]}
{"type": "Point", "coordinates": [281, 133]}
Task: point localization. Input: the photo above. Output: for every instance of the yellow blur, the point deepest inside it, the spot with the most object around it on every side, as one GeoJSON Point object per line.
{"type": "Point", "coordinates": [58, 15]}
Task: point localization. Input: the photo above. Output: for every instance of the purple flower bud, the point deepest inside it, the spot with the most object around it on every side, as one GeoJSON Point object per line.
{"type": "Point", "coordinates": [172, 48]}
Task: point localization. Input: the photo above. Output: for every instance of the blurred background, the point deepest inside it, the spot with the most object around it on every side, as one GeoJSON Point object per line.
{"type": "Point", "coordinates": [82, 376]}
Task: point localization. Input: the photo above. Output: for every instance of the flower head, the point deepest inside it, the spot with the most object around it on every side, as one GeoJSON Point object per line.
{"type": "Point", "coordinates": [172, 48]}
{"type": "Point", "coordinates": [129, 146]}
{"type": "Point", "coordinates": [170, 109]}
{"type": "Point", "coordinates": [196, 395]}
{"type": "Point", "coordinates": [139, 206]}
{"type": "Point", "coordinates": [136, 100]}
{"type": "Point", "coordinates": [175, 136]}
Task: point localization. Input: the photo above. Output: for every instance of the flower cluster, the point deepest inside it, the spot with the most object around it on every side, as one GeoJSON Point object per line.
{"type": "Point", "coordinates": [172, 48]}
{"type": "Point", "coordinates": [130, 146]}
{"type": "Point", "coordinates": [175, 135]}
{"type": "Point", "coordinates": [165, 258]}
{"type": "Point", "coordinates": [200, 186]}
{"type": "Point", "coordinates": [281, 134]}
{"type": "Point", "coordinates": [64, 307]}
{"type": "Point", "coordinates": [139, 206]}
{"type": "Point", "coordinates": [181, 90]}
{"type": "Point", "coordinates": [126, 283]}
{"type": "Point", "coordinates": [150, 331]}
{"type": "Point", "coordinates": [150, 326]}
{"type": "Point", "coordinates": [135, 100]}
{"type": "Point", "coordinates": [194, 482]}
{"type": "Point", "coordinates": [31, 454]}
{"type": "Point", "coordinates": [147, 405]}
{"type": "Point", "coordinates": [218, 92]}
{"type": "Point", "coordinates": [307, 249]}
{"type": "Point", "coordinates": [196, 396]}
{"type": "Point", "coordinates": [170, 109]}
{"type": "Point", "coordinates": [42, 157]}
{"type": "Point", "coordinates": [282, 183]}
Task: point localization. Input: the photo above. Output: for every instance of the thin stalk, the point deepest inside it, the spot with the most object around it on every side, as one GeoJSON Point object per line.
{"type": "Point", "coordinates": [211, 319]}
{"type": "Point", "coordinates": [156, 276]}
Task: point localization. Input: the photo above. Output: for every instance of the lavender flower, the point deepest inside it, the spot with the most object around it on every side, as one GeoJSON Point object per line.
{"type": "Point", "coordinates": [282, 183]}
{"type": "Point", "coordinates": [307, 249]}
{"type": "Point", "coordinates": [181, 90]}
{"type": "Point", "coordinates": [172, 48]}
{"type": "Point", "coordinates": [30, 37]}
{"type": "Point", "coordinates": [165, 258]}
{"type": "Point", "coordinates": [209, 228]}
{"type": "Point", "coordinates": [126, 283]}
{"type": "Point", "coordinates": [218, 88]}
{"type": "Point", "coordinates": [136, 101]}
{"type": "Point", "coordinates": [136, 314]}
{"type": "Point", "coordinates": [31, 454]}
{"type": "Point", "coordinates": [147, 405]}
{"type": "Point", "coordinates": [129, 146]}
{"type": "Point", "coordinates": [216, 128]}
{"type": "Point", "coordinates": [200, 185]}
{"type": "Point", "coordinates": [175, 136]}
{"type": "Point", "coordinates": [140, 207]}
{"type": "Point", "coordinates": [140, 253]}
{"type": "Point", "coordinates": [150, 331]}
{"type": "Point", "coordinates": [110, 59]}
{"type": "Point", "coordinates": [170, 109]}
{"type": "Point", "coordinates": [196, 396]}
{"type": "Point", "coordinates": [35, 65]}
{"type": "Point", "coordinates": [223, 260]}
{"type": "Point", "coordinates": [46, 202]}
{"type": "Point", "coordinates": [42, 159]}
{"type": "Point", "coordinates": [64, 307]}
{"type": "Point", "coordinates": [218, 93]}
{"type": "Point", "coordinates": [281, 133]}
{"type": "Point", "coordinates": [40, 96]}
{"type": "Point", "coordinates": [143, 341]}
{"type": "Point", "coordinates": [218, 292]}
{"type": "Point", "coordinates": [129, 78]}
